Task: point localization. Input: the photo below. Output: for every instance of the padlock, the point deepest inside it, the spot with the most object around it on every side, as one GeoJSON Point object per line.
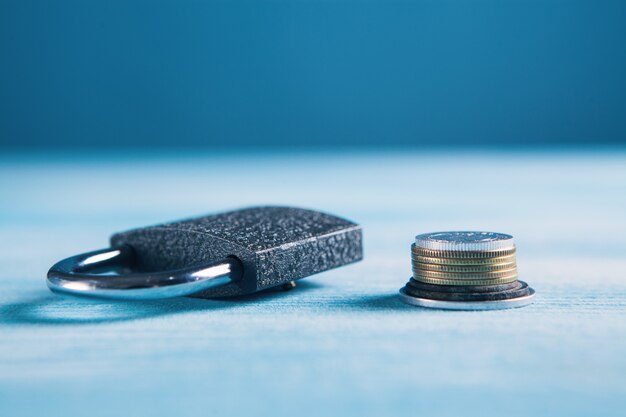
{"type": "Point", "coordinates": [221, 255]}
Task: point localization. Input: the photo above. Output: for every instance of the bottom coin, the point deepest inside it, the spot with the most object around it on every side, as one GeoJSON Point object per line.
{"type": "Point", "coordinates": [469, 305]}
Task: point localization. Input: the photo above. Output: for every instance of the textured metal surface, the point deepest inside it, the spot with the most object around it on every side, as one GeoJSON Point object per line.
{"type": "Point", "coordinates": [275, 245]}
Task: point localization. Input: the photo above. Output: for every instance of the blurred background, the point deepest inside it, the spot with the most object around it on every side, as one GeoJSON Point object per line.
{"type": "Point", "coordinates": [231, 74]}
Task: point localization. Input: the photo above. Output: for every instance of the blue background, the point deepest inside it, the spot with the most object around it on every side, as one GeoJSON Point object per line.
{"type": "Point", "coordinates": [311, 73]}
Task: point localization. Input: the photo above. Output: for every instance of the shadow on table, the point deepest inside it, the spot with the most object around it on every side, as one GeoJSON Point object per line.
{"type": "Point", "coordinates": [386, 302]}
{"type": "Point", "coordinates": [68, 310]}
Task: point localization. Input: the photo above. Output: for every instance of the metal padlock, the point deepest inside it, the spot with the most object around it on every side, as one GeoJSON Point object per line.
{"type": "Point", "coordinates": [227, 254]}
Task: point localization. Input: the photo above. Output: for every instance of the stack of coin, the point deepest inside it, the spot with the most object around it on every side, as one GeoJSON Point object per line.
{"type": "Point", "coordinates": [465, 271]}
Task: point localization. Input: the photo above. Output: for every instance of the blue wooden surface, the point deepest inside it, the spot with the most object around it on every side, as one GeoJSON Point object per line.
{"type": "Point", "coordinates": [341, 343]}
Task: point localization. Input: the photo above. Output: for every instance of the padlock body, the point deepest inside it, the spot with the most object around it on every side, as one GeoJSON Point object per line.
{"type": "Point", "coordinates": [274, 244]}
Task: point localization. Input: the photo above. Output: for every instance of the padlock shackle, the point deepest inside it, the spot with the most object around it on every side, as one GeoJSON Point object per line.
{"type": "Point", "coordinates": [107, 273]}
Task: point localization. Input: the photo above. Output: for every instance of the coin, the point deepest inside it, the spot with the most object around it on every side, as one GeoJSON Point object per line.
{"type": "Point", "coordinates": [437, 281]}
{"type": "Point", "coordinates": [469, 305]}
{"type": "Point", "coordinates": [462, 254]}
{"type": "Point", "coordinates": [463, 268]}
{"type": "Point", "coordinates": [520, 289]}
{"type": "Point", "coordinates": [466, 276]}
{"type": "Point", "coordinates": [463, 261]}
{"type": "Point", "coordinates": [465, 241]}
{"type": "Point", "coordinates": [465, 271]}
{"type": "Point", "coordinates": [463, 288]}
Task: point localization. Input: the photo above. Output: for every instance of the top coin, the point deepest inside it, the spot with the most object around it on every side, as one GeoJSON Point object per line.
{"type": "Point", "coordinates": [464, 241]}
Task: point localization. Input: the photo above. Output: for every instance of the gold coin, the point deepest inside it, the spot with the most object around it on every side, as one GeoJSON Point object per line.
{"type": "Point", "coordinates": [436, 281]}
{"type": "Point", "coordinates": [461, 261]}
{"type": "Point", "coordinates": [465, 276]}
{"type": "Point", "coordinates": [461, 254]}
{"type": "Point", "coordinates": [463, 268]}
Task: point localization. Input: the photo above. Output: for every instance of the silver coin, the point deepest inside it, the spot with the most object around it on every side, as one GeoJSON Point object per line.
{"type": "Point", "coordinates": [465, 241]}
{"type": "Point", "coordinates": [469, 305]}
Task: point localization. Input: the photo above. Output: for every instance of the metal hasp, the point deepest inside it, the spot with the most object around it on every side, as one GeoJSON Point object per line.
{"type": "Point", "coordinates": [227, 254]}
